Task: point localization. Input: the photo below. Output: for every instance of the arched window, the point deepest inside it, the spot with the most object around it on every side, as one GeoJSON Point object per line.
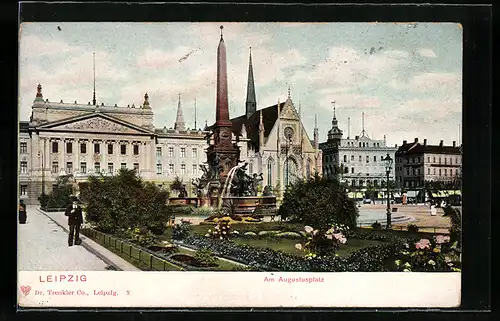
{"type": "Point", "coordinates": [352, 158]}
{"type": "Point", "coordinates": [308, 169]}
{"type": "Point", "coordinates": [270, 172]}
{"type": "Point", "coordinates": [345, 158]}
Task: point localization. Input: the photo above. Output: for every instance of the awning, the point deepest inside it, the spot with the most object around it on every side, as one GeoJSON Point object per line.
{"type": "Point", "coordinates": [355, 195]}
{"type": "Point", "coordinates": [446, 193]}
{"type": "Point", "coordinates": [411, 194]}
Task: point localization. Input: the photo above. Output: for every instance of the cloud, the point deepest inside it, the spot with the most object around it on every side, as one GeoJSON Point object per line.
{"type": "Point", "coordinates": [427, 52]}
{"type": "Point", "coordinates": [430, 81]}
{"type": "Point", "coordinates": [35, 46]}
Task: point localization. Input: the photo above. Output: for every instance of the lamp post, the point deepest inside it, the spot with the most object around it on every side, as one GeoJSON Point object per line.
{"type": "Point", "coordinates": [388, 165]}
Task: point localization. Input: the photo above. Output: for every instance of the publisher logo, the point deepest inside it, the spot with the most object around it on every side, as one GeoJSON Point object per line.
{"type": "Point", "coordinates": [25, 289]}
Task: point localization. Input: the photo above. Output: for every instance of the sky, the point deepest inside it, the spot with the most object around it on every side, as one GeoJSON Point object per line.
{"type": "Point", "coordinates": [405, 78]}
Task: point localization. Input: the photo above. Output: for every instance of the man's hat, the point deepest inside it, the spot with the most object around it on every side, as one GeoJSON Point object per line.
{"type": "Point", "coordinates": [74, 199]}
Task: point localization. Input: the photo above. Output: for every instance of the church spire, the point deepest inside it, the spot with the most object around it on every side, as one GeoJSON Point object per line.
{"type": "Point", "coordinates": [316, 132]}
{"type": "Point", "coordinates": [93, 100]}
{"type": "Point", "coordinates": [334, 133]}
{"type": "Point", "coordinates": [251, 102]}
{"type": "Point", "coordinates": [179, 121]}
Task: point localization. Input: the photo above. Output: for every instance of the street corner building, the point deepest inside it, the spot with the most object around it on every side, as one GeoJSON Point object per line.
{"type": "Point", "coordinates": [64, 138]}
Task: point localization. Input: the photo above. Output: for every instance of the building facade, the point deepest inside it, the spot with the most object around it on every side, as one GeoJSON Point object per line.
{"type": "Point", "coordinates": [359, 161]}
{"type": "Point", "coordinates": [418, 163]}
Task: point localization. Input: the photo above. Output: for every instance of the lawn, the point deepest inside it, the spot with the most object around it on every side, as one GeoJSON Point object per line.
{"type": "Point", "coordinates": [288, 246]}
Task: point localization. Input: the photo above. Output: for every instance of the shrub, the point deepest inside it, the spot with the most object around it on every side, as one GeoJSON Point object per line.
{"type": "Point", "coordinates": [376, 226]}
{"type": "Point", "coordinates": [321, 244]}
{"type": "Point", "coordinates": [318, 202]}
{"type": "Point", "coordinates": [60, 197]}
{"type": "Point", "coordinates": [221, 230]}
{"type": "Point", "coordinates": [43, 199]}
{"type": "Point", "coordinates": [181, 231]}
{"type": "Point", "coordinates": [202, 211]}
{"type": "Point", "coordinates": [456, 224]}
{"type": "Point", "coordinates": [124, 200]}
{"type": "Point", "coordinates": [412, 228]}
{"type": "Point", "coordinates": [289, 235]}
{"type": "Point", "coordinates": [206, 257]}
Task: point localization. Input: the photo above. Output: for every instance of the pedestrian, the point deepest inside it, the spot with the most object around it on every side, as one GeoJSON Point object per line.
{"type": "Point", "coordinates": [22, 212]}
{"type": "Point", "coordinates": [75, 220]}
{"type": "Point", "coordinates": [433, 210]}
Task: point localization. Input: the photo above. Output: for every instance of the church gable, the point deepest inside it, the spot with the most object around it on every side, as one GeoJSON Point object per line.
{"type": "Point", "coordinates": [288, 111]}
{"type": "Point", "coordinates": [95, 123]}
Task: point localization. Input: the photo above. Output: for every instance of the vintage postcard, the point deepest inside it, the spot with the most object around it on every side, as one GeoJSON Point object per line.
{"type": "Point", "coordinates": [176, 165]}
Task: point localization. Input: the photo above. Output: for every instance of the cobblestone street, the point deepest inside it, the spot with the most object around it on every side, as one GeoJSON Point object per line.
{"type": "Point", "coordinates": [43, 246]}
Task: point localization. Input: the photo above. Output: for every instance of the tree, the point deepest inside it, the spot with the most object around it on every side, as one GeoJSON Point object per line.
{"type": "Point", "coordinates": [319, 202]}
{"type": "Point", "coordinates": [178, 186]}
{"type": "Point", "coordinates": [124, 201]}
{"type": "Point", "coordinates": [60, 196]}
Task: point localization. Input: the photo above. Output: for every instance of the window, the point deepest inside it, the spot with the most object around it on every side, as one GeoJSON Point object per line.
{"type": "Point", "coordinates": [440, 172]}
{"type": "Point", "coordinates": [352, 158]}
{"type": "Point", "coordinates": [97, 167]}
{"type": "Point", "coordinates": [136, 149]}
{"type": "Point", "coordinates": [407, 161]}
{"type": "Point", "coordinates": [445, 171]}
{"type": "Point", "coordinates": [413, 171]}
{"type": "Point", "coordinates": [24, 148]}
{"type": "Point", "coordinates": [407, 172]}
{"type": "Point", "coordinates": [428, 171]}
{"type": "Point", "coordinates": [110, 168]}
{"type": "Point", "coordinates": [428, 159]}
{"type": "Point", "coordinates": [195, 169]}
{"type": "Point", "coordinates": [367, 158]}
{"type": "Point", "coordinates": [159, 169]}
{"type": "Point", "coordinates": [69, 148]}
{"type": "Point", "coordinates": [123, 149]}
{"type": "Point", "coordinates": [55, 167]}
{"type": "Point", "coordinates": [439, 160]}
{"type": "Point", "coordinates": [360, 158]}
{"type": "Point", "coordinates": [83, 148]}
{"type": "Point", "coordinates": [434, 159]}
{"type": "Point", "coordinates": [170, 152]}
{"type": "Point", "coordinates": [352, 170]}
{"type": "Point", "coordinates": [456, 160]}
{"type": "Point", "coordinates": [418, 171]}
{"type": "Point", "coordinates": [23, 190]}
{"type": "Point", "coordinates": [359, 144]}
{"type": "Point", "coordinates": [183, 169]}
{"type": "Point", "coordinates": [445, 161]}
{"type": "Point", "coordinates": [69, 168]}
{"type": "Point", "coordinates": [374, 158]}
{"type": "Point", "coordinates": [270, 172]}
{"type": "Point", "coordinates": [55, 147]}
{"type": "Point", "coordinates": [158, 151]}
{"type": "Point", "coordinates": [183, 152]}
{"type": "Point", "coordinates": [434, 171]}
{"type": "Point", "coordinates": [195, 152]}
{"type": "Point", "coordinates": [136, 167]}
{"type": "Point", "coordinates": [413, 160]}
{"type": "Point", "coordinates": [171, 168]}
{"type": "Point", "coordinates": [97, 148]}
{"type": "Point", "coordinates": [24, 167]}
{"type": "Point", "coordinates": [110, 149]}
{"type": "Point", "coordinates": [123, 165]}
{"type": "Point", "coordinates": [83, 167]}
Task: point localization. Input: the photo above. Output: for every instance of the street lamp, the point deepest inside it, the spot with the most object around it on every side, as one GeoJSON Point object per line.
{"type": "Point", "coordinates": [388, 165]}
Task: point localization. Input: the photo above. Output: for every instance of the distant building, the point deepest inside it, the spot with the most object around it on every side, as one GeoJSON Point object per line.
{"type": "Point", "coordinates": [417, 163]}
{"type": "Point", "coordinates": [356, 161]}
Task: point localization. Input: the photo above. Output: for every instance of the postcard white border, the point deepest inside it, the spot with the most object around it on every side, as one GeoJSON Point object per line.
{"type": "Point", "coordinates": [108, 289]}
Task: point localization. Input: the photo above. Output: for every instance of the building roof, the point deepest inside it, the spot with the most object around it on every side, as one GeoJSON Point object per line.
{"type": "Point", "coordinates": [24, 126]}
{"type": "Point", "coordinates": [269, 117]}
{"type": "Point", "coordinates": [417, 148]}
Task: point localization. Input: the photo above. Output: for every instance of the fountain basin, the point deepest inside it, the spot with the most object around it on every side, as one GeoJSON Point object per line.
{"type": "Point", "coordinates": [183, 201]}
{"type": "Point", "coordinates": [247, 204]}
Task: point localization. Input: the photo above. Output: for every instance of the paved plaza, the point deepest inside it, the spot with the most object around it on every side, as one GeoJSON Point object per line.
{"type": "Point", "coordinates": [43, 246]}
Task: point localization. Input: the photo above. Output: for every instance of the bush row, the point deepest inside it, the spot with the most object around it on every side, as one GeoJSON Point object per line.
{"type": "Point", "coordinates": [367, 259]}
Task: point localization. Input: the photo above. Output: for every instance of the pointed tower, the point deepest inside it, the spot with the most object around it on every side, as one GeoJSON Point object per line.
{"type": "Point", "coordinates": [93, 100]}
{"type": "Point", "coordinates": [179, 120]}
{"type": "Point", "coordinates": [251, 102]}
{"type": "Point", "coordinates": [334, 134]}
{"type": "Point", "coordinates": [223, 154]}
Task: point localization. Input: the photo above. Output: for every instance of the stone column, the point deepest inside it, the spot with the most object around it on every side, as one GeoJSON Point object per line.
{"type": "Point", "coordinates": [104, 152]}
{"type": "Point", "coordinates": [62, 155]}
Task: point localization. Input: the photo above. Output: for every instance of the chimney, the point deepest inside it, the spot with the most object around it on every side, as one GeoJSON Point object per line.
{"type": "Point", "coordinates": [404, 142]}
{"type": "Point", "coordinates": [441, 143]}
{"type": "Point", "coordinates": [425, 141]}
{"type": "Point", "coordinates": [416, 140]}
{"type": "Point", "coordinates": [454, 144]}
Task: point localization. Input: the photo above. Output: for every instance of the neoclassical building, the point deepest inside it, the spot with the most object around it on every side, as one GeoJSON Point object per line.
{"type": "Point", "coordinates": [85, 139]}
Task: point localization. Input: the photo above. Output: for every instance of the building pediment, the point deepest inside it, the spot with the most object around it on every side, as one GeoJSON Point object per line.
{"type": "Point", "coordinates": [94, 123]}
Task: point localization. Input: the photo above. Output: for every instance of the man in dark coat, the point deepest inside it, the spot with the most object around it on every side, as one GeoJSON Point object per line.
{"type": "Point", "coordinates": [75, 220]}
{"type": "Point", "coordinates": [22, 212]}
